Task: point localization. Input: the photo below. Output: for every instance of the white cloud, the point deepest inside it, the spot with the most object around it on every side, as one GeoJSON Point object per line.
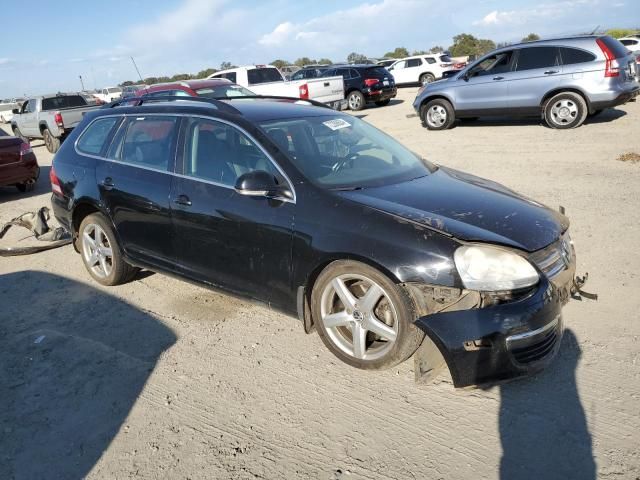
{"type": "Point", "coordinates": [542, 12]}
{"type": "Point", "coordinates": [4, 61]}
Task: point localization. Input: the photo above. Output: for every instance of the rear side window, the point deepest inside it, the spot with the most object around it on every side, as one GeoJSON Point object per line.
{"type": "Point", "coordinates": [574, 55]}
{"type": "Point", "coordinates": [146, 142]}
{"type": "Point", "coordinates": [62, 102]}
{"type": "Point", "coordinates": [537, 57]}
{"type": "Point", "coordinates": [414, 62]}
{"type": "Point", "coordinates": [93, 138]}
{"type": "Point", "coordinates": [263, 75]}
{"type": "Point", "coordinates": [430, 60]}
{"type": "Point", "coordinates": [615, 46]}
{"type": "Point", "coordinates": [229, 76]}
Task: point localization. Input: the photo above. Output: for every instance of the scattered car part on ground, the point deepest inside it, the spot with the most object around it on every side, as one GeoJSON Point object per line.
{"type": "Point", "coordinates": [37, 223]}
{"type": "Point", "coordinates": [385, 247]}
{"type": "Point", "coordinates": [561, 80]}
{"type": "Point", "coordinates": [18, 164]}
{"type": "Point", "coordinates": [50, 117]}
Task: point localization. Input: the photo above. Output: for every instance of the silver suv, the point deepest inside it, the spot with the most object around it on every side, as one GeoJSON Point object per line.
{"type": "Point", "coordinates": [564, 80]}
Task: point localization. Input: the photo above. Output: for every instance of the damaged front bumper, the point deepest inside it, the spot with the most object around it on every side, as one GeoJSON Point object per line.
{"type": "Point", "coordinates": [499, 342]}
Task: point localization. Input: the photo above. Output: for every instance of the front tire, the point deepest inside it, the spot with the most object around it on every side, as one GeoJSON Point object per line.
{"type": "Point", "coordinates": [356, 100]}
{"type": "Point", "coordinates": [438, 114]}
{"type": "Point", "coordinates": [565, 110]}
{"type": "Point", "coordinates": [364, 318]}
{"type": "Point", "coordinates": [52, 143]}
{"type": "Point", "coordinates": [101, 253]}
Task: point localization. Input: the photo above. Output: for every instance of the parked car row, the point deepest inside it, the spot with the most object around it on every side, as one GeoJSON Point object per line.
{"type": "Point", "coordinates": [18, 164]}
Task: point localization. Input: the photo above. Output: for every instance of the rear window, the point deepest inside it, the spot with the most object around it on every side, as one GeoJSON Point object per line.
{"type": "Point", "coordinates": [628, 43]}
{"type": "Point", "coordinates": [114, 90]}
{"type": "Point", "coordinates": [376, 72]}
{"type": "Point", "coordinates": [92, 139]}
{"type": "Point", "coordinates": [445, 59]}
{"type": "Point", "coordinates": [62, 102]}
{"type": "Point", "coordinates": [263, 75]}
{"type": "Point", "coordinates": [615, 46]}
{"type": "Point", "coordinates": [574, 55]}
{"type": "Point", "coordinates": [224, 91]}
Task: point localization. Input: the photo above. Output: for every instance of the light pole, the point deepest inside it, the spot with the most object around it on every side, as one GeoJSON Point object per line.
{"type": "Point", "coordinates": [81, 82]}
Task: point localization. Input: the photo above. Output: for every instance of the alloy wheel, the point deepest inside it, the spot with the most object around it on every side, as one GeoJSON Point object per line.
{"type": "Point", "coordinates": [354, 102]}
{"type": "Point", "coordinates": [564, 112]}
{"type": "Point", "coordinates": [359, 317]}
{"type": "Point", "coordinates": [97, 251]}
{"type": "Point", "coordinates": [436, 116]}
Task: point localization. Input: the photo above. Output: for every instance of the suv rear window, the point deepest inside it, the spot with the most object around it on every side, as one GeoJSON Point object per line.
{"type": "Point", "coordinates": [62, 102]}
{"type": "Point", "coordinates": [615, 46]}
{"type": "Point", "coordinates": [376, 72]}
{"type": "Point", "coordinates": [573, 55]}
{"type": "Point", "coordinates": [92, 139]}
{"type": "Point", "coordinates": [445, 59]}
{"type": "Point", "coordinates": [263, 75]}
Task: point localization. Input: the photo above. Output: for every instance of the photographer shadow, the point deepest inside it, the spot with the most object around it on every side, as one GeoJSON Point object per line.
{"type": "Point", "coordinates": [543, 428]}
{"type": "Point", "coordinates": [74, 361]}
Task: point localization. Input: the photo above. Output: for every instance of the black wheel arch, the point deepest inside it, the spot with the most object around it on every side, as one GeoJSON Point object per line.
{"type": "Point", "coordinates": [82, 209]}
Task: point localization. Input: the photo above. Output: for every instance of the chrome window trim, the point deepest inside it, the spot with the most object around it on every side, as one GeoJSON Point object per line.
{"type": "Point", "coordinates": [202, 180]}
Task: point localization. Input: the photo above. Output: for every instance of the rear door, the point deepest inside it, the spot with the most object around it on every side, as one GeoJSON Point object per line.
{"type": "Point", "coordinates": [135, 183]}
{"type": "Point", "coordinates": [484, 91]}
{"type": "Point", "coordinates": [538, 70]}
{"type": "Point", "coordinates": [237, 242]}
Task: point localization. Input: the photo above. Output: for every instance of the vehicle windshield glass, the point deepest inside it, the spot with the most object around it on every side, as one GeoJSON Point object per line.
{"type": "Point", "coordinates": [224, 91]}
{"type": "Point", "coordinates": [63, 101]}
{"type": "Point", "coordinates": [344, 152]}
{"type": "Point", "coordinates": [114, 90]}
{"type": "Point", "coordinates": [263, 75]}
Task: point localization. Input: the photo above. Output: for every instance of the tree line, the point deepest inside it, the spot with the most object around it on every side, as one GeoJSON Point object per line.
{"type": "Point", "coordinates": [463, 45]}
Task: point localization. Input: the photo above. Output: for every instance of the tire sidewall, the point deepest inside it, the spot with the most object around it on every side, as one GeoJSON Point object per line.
{"type": "Point", "coordinates": [359, 94]}
{"type": "Point", "coordinates": [409, 336]}
{"type": "Point", "coordinates": [119, 265]}
{"type": "Point", "coordinates": [426, 78]}
{"type": "Point", "coordinates": [577, 99]}
{"type": "Point", "coordinates": [52, 143]}
{"type": "Point", "coordinates": [448, 108]}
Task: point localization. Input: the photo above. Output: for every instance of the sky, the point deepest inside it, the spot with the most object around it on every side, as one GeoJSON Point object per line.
{"type": "Point", "coordinates": [65, 39]}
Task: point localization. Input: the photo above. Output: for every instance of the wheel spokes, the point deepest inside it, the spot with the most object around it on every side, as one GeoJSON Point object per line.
{"type": "Point", "coordinates": [339, 319]}
{"type": "Point", "coordinates": [343, 292]}
{"type": "Point", "coordinates": [380, 328]}
{"type": "Point", "coordinates": [359, 335]}
{"type": "Point", "coordinates": [369, 301]}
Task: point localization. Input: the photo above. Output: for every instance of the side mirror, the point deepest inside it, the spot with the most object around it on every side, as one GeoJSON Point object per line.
{"type": "Point", "coordinates": [15, 111]}
{"type": "Point", "coordinates": [260, 184]}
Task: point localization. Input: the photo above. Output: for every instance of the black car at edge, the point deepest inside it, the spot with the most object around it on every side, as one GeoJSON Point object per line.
{"type": "Point", "coordinates": [322, 216]}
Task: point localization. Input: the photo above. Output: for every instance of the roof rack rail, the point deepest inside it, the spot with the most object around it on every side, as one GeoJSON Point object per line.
{"type": "Point", "coordinates": [221, 103]}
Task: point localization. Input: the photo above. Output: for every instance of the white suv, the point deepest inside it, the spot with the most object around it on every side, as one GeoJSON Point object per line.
{"type": "Point", "coordinates": [420, 68]}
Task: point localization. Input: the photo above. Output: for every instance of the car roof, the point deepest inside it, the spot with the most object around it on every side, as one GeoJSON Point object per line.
{"type": "Point", "coordinates": [251, 109]}
{"type": "Point", "coordinates": [576, 40]}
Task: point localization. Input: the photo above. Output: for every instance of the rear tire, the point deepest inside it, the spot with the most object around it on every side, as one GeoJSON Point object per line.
{"type": "Point", "coordinates": [101, 253]}
{"type": "Point", "coordinates": [427, 78]}
{"type": "Point", "coordinates": [376, 308]}
{"type": "Point", "coordinates": [383, 103]}
{"type": "Point", "coordinates": [26, 186]}
{"type": "Point", "coordinates": [565, 110]}
{"type": "Point", "coordinates": [356, 100]}
{"type": "Point", "coordinates": [52, 143]}
{"type": "Point", "coordinates": [437, 114]}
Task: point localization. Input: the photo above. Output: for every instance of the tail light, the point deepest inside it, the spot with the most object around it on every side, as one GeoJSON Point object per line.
{"type": "Point", "coordinates": [58, 119]}
{"type": "Point", "coordinates": [55, 182]}
{"type": "Point", "coordinates": [612, 67]}
{"type": "Point", "coordinates": [304, 91]}
{"type": "Point", "coordinates": [25, 149]}
{"type": "Point", "coordinates": [370, 82]}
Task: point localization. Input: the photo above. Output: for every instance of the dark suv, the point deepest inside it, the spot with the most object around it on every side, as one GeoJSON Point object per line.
{"type": "Point", "coordinates": [364, 84]}
{"type": "Point", "coordinates": [321, 215]}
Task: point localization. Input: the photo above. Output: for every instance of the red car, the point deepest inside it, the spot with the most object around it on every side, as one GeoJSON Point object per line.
{"type": "Point", "coordinates": [210, 88]}
{"type": "Point", "coordinates": [18, 164]}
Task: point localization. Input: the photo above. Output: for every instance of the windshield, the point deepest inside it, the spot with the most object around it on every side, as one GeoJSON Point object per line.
{"type": "Point", "coordinates": [344, 152]}
{"type": "Point", "coordinates": [114, 90]}
{"type": "Point", "coordinates": [224, 91]}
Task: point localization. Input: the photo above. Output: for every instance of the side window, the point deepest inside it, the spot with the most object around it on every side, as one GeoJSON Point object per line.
{"type": "Point", "coordinates": [299, 75]}
{"type": "Point", "coordinates": [430, 60]}
{"type": "Point", "coordinates": [399, 65]}
{"type": "Point", "coordinates": [574, 55]}
{"type": "Point", "coordinates": [354, 73]}
{"type": "Point", "coordinates": [413, 62]}
{"type": "Point", "coordinates": [537, 57]}
{"type": "Point", "coordinates": [146, 141]}
{"type": "Point", "coordinates": [498, 63]}
{"type": "Point", "coordinates": [229, 76]}
{"type": "Point", "coordinates": [92, 139]}
{"type": "Point", "coordinates": [330, 73]}
{"type": "Point", "coordinates": [220, 153]}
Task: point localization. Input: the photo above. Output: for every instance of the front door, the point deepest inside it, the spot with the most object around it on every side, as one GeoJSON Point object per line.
{"type": "Point", "coordinates": [233, 241]}
{"type": "Point", "coordinates": [29, 119]}
{"type": "Point", "coordinates": [135, 183]}
{"type": "Point", "coordinates": [484, 89]}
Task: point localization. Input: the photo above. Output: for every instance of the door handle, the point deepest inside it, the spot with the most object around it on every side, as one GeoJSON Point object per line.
{"type": "Point", "coordinates": [182, 200]}
{"type": "Point", "coordinates": [108, 184]}
{"type": "Point", "coordinates": [326, 84]}
{"type": "Point", "coordinates": [550, 72]}
{"type": "Point", "coordinates": [498, 78]}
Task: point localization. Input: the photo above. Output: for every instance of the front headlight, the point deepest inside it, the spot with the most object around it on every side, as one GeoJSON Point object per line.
{"type": "Point", "coordinates": [489, 269]}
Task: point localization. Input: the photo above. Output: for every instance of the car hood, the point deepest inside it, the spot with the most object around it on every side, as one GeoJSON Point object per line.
{"type": "Point", "coordinates": [468, 208]}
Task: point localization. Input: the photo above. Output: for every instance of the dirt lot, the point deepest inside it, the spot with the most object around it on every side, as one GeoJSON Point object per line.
{"type": "Point", "coordinates": [163, 379]}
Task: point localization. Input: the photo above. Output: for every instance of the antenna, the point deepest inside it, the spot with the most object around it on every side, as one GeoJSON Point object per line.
{"type": "Point", "coordinates": [595, 30]}
{"type": "Point", "coordinates": [136, 67]}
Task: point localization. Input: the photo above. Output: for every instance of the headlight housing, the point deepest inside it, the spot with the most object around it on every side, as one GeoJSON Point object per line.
{"type": "Point", "coordinates": [489, 269]}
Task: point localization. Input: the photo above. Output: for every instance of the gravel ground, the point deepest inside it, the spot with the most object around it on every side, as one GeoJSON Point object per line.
{"type": "Point", "coordinates": [162, 379]}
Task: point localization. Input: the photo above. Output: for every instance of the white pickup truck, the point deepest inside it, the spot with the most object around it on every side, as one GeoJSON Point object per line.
{"type": "Point", "coordinates": [267, 80]}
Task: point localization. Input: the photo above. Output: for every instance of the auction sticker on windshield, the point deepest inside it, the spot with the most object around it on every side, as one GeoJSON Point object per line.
{"type": "Point", "coordinates": [336, 124]}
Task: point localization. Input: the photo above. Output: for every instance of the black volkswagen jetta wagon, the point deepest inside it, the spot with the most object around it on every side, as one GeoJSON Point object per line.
{"type": "Point", "coordinates": [323, 216]}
